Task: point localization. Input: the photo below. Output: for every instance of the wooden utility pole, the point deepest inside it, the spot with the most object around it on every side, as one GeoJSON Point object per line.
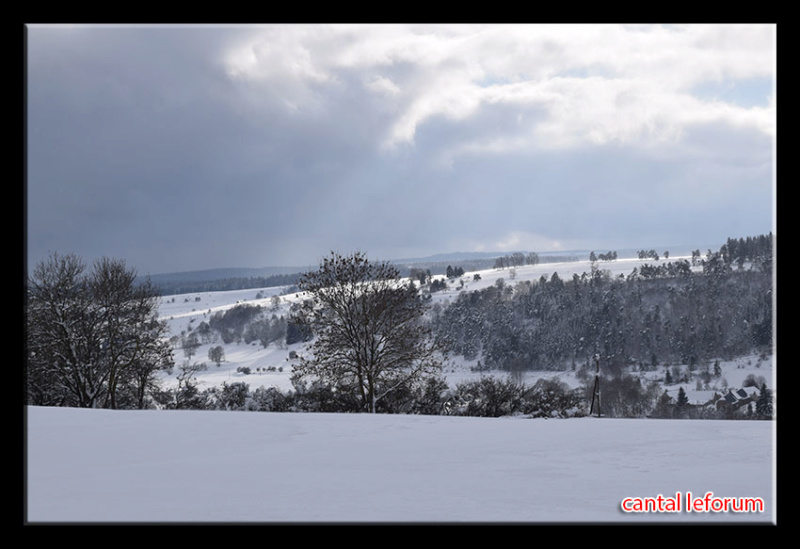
{"type": "Point", "coordinates": [596, 392]}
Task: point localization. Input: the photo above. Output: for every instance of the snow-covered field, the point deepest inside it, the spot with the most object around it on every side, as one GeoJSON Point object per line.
{"type": "Point", "coordinates": [203, 466]}
{"type": "Point", "coordinates": [194, 466]}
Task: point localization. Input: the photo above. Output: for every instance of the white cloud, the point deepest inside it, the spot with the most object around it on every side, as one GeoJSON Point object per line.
{"type": "Point", "coordinates": [595, 84]}
{"type": "Point", "coordinates": [382, 86]}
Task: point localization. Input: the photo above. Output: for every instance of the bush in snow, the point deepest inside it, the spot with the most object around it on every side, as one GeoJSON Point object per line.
{"type": "Point", "coordinates": [488, 397]}
{"type": "Point", "coordinates": [554, 398]}
{"type": "Point", "coordinates": [234, 396]}
{"type": "Point", "coordinates": [316, 396]}
{"type": "Point", "coordinates": [624, 396]}
{"type": "Point", "coordinates": [430, 397]}
{"type": "Point", "coordinates": [270, 399]}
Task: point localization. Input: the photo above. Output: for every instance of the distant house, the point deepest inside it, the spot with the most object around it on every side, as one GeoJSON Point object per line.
{"type": "Point", "coordinates": [737, 398]}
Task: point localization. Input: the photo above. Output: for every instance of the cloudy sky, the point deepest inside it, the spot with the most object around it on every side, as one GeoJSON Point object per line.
{"type": "Point", "coordinates": [194, 147]}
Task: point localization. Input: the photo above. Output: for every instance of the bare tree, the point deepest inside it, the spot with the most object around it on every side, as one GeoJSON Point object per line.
{"type": "Point", "coordinates": [190, 345]}
{"type": "Point", "coordinates": [131, 336]}
{"type": "Point", "coordinates": [92, 337]}
{"type": "Point", "coordinates": [369, 337]}
{"type": "Point", "coordinates": [60, 368]}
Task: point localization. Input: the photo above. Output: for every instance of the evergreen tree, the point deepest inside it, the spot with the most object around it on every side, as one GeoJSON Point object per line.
{"type": "Point", "coordinates": [683, 400]}
{"type": "Point", "coordinates": [681, 403]}
{"type": "Point", "coordinates": [764, 402]}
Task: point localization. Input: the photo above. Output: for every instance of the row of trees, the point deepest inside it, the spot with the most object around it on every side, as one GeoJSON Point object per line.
{"type": "Point", "coordinates": [93, 335]}
{"type": "Point", "coordinates": [756, 250]}
{"type": "Point", "coordinates": [610, 256]}
{"type": "Point", "coordinates": [651, 254]}
{"type": "Point", "coordinates": [485, 397]}
{"type": "Point", "coordinates": [623, 396]}
{"type": "Point", "coordinates": [517, 259]}
{"type": "Point", "coordinates": [454, 272]}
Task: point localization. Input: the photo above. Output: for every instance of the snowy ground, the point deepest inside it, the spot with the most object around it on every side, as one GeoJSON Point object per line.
{"type": "Point", "coordinates": [258, 467]}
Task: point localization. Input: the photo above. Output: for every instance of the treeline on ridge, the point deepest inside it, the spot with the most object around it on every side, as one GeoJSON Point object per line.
{"type": "Point", "coordinates": [176, 287]}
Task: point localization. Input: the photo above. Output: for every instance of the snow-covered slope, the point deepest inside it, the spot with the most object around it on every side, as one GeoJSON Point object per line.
{"type": "Point", "coordinates": [186, 311]}
{"type": "Point", "coordinates": [271, 366]}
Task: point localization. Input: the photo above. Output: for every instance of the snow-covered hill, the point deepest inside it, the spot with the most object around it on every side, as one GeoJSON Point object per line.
{"type": "Point", "coordinates": [186, 311]}
{"type": "Point", "coordinates": [271, 366]}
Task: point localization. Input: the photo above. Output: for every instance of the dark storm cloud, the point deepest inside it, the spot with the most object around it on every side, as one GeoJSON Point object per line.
{"type": "Point", "coordinates": [135, 142]}
{"type": "Point", "coordinates": [123, 124]}
{"type": "Point", "coordinates": [182, 148]}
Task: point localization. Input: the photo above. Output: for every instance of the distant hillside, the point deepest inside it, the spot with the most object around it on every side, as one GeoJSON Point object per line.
{"type": "Point", "coordinates": [213, 280]}
{"type": "Point", "coordinates": [218, 274]}
{"type": "Point", "coordinates": [242, 278]}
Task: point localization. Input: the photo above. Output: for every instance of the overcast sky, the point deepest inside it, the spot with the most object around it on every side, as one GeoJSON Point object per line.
{"type": "Point", "coordinates": [194, 147]}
